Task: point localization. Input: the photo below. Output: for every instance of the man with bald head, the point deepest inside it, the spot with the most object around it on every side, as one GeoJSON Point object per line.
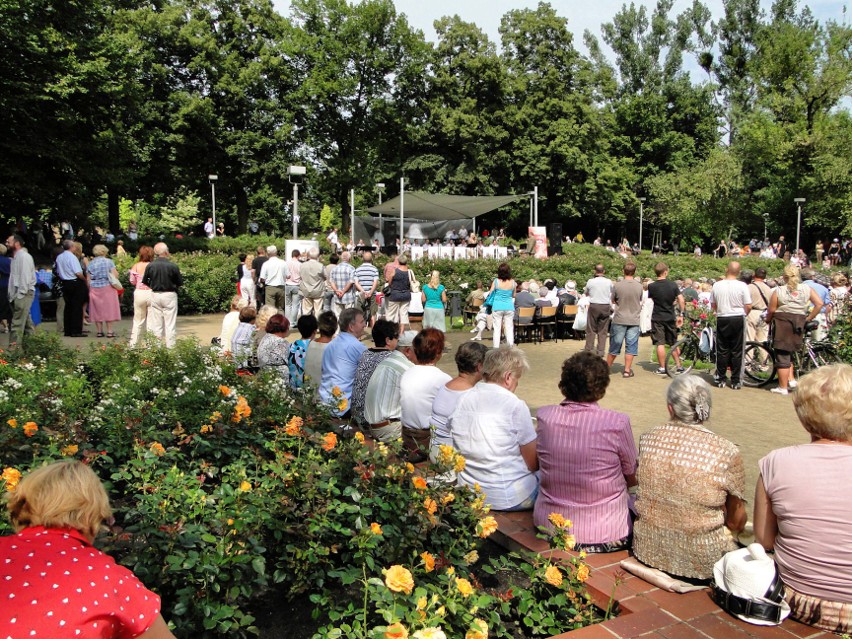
{"type": "Point", "coordinates": [731, 299]}
{"type": "Point", "coordinates": [164, 279]}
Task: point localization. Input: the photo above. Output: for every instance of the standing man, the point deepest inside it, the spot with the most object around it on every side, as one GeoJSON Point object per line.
{"type": "Point", "coordinates": [809, 278]}
{"type": "Point", "coordinates": [342, 282]}
{"type": "Point", "coordinates": [340, 361]}
{"type": "Point", "coordinates": [732, 301]}
{"type": "Point", "coordinates": [757, 330]}
{"type": "Point", "coordinates": [292, 299]}
{"type": "Point", "coordinates": [209, 231]}
{"type": "Point", "coordinates": [163, 277]}
{"type": "Point", "coordinates": [366, 282]}
{"type": "Point", "coordinates": [257, 264]}
{"type": "Point", "coordinates": [74, 289]}
{"type": "Point", "coordinates": [781, 248]}
{"type": "Point", "coordinates": [273, 276]}
{"type": "Point", "coordinates": [627, 297]}
{"type": "Point", "coordinates": [22, 283]}
{"type": "Point", "coordinates": [665, 321]}
{"type": "Point", "coordinates": [599, 290]}
{"type": "Point", "coordinates": [312, 285]}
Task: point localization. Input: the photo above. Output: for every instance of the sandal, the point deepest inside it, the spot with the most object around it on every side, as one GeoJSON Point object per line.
{"type": "Point", "coordinates": [627, 374]}
{"type": "Point", "coordinates": [110, 335]}
{"type": "Point", "coordinates": [99, 335]}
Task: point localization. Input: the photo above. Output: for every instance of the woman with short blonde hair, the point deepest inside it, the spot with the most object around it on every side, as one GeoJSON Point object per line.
{"type": "Point", "coordinates": [802, 503]}
{"type": "Point", "coordinates": [69, 586]}
{"type": "Point", "coordinates": [434, 298]}
{"type": "Point", "coordinates": [104, 306]}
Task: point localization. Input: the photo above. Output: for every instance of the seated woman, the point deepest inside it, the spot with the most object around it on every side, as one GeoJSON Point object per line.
{"type": "Point", "coordinates": [587, 459]}
{"type": "Point", "coordinates": [802, 503]}
{"type": "Point", "coordinates": [273, 351]}
{"type": "Point", "coordinates": [492, 428]}
{"type": "Point", "coordinates": [691, 485]}
{"type": "Point", "coordinates": [230, 323]}
{"type": "Point", "coordinates": [469, 358]}
{"type": "Point", "coordinates": [242, 342]}
{"type": "Point", "coordinates": [70, 588]}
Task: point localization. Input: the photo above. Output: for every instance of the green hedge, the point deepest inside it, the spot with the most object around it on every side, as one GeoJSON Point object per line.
{"type": "Point", "coordinates": [210, 268]}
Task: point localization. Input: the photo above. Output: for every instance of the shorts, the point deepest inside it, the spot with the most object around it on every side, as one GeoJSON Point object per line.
{"type": "Point", "coordinates": [617, 335]}
{"type": "Point", "coordinates": [663, 332]}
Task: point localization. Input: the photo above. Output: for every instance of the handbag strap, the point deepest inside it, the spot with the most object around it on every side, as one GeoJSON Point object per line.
{"type": "Point", "coordinates": [763, 610]}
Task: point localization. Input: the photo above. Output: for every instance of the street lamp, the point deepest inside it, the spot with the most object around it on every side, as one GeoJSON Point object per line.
{"type": "Point", "coordinates": [641, 219]}
{"type": "Point", "coordinates": [296, 174]}
{"type": "Point", "coordinates": [380, 187]}
{"type": "Point", "coordinates": [799, 201]}
{"type": "Point", "coordinates": [212, 177]}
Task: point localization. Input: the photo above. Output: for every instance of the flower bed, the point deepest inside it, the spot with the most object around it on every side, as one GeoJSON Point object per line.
{"type": "Point", "coordinates": [225, 487]}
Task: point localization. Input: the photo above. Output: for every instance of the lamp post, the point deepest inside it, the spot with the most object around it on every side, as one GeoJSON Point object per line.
{"type": "Point", "coordinates": [799, 201]}
{"type": "Point", "coordinates": [212, 177]}
{"type": "Point", "coordinates": [296, 174]}
{"type": "Point", "coordinates": [641, 219]}
{"type": "Point", "coordinates": [765, 230]}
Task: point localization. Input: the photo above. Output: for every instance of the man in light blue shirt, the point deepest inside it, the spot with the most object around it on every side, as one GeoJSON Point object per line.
{"type": "Point", "coordinates": [340, 361]}
{"type": "Point", "coordinates": [808, 275]}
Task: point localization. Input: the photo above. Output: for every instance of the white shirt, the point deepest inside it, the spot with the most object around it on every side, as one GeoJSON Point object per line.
{"type": "Point", "coordinates": [382, 402]}
{"type": "Point", "coordinates": [488, 427]}
{"type": "Point", "coordinates": [274, 272]}
{"type": "Point", "coordinates": [418, 387]}
{"type": "Point", "coordinates": [730, 298]}
{"type": "Point", "coordinates": [599, 290]}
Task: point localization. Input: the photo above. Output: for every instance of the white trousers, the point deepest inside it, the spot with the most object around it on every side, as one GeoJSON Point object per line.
{"type": "Point", "coordinates": [162, 317]}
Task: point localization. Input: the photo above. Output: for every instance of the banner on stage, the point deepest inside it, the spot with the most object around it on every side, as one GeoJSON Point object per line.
{"type": "Point", "coordinates": [538, 241]}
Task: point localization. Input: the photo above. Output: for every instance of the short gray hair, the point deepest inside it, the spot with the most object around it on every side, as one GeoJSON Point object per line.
{"type": "Point", "coordinates": [272, 250]}
{"type": "Point", "coordinates": [690, 399]}
{"type": "Point", "coordinates": [313, 253]}
{"type": "Point", "coordinates": [506, 359]}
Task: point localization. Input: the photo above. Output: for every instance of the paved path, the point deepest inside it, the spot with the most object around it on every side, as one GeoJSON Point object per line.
{"type": "Point", "coordinates": [754, 419]}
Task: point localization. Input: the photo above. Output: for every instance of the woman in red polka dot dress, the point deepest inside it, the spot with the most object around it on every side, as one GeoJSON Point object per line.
{"type": "Point", "coordinates": [53, 582]}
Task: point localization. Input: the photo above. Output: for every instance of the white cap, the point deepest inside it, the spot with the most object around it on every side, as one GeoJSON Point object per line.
{"type": "Point", "coordinates": [748, 573]}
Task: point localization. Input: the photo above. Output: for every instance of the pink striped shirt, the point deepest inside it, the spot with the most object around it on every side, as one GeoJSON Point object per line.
{"type": "Point", "coordinates": [584, 452]}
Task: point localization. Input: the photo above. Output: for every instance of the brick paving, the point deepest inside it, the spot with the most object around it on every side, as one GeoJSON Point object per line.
{"type": "Point", "coordinates": [645, 610]}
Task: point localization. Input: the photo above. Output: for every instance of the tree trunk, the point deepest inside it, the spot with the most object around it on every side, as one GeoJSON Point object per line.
{"type": "Point", "coordinates": [114, 222]}
{"type": "Point", "coordinates": [242, 210]}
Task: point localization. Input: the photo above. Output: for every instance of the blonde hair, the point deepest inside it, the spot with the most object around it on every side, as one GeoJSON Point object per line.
{"type": "Point", "coordinates": [822, 402]}
{"type": "Point", "coordinates": [99, 250]}
{"type": "Point", "coordinates": [791, 275]}
{"type": "Point", "coordinates": [435, 280]}
{"type": "Point", "coordinates": [839, 279]}
{"type": "Point", "coordinates": [65, 494]}
{"type": "Point", "coordinates": [238, 303]}
{"type": "Point", "coordinates": [506, 359]}
{"type": "Point", "coordinates": [266, 311]}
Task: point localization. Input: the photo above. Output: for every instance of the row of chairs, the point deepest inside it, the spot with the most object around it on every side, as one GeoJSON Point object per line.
{"type": "Point", "coordinates": [536, 323]}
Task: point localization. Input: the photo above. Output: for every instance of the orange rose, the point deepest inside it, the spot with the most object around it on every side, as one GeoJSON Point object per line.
{"type": "Point", "coordinates": [558, 520]}
{"type": "Point", "coordinates": [360, 437]}
{"type": "Point", "coordinates": [486, 526]}
{"type": "Point", "coordinates": [553, 576]}
{"type": "Point", "coordinates": [224, 390]}
{"type": "Point", "coordinates": [157, 449]}
{"type": "Point", "coordinates": [478, 630]}
{"type": "Point", "coordinates": [375, 529]}
{"type": "Point", "coordinates": [13, 423]}
{"type": "Point", "coordinates": [582, 573]}
{"type": "Point", "coordinates": [419, 483]}
{"type": "Point", "coordinates": [428, 561]}
{"type": "Point", "coordinates": [399, 579]}
{"type": "Point", "coordinates": [430, 505]}
{"type": "Point", "coordinates": [329, 442]}
{"type": "Point", "coordinates": [69, 450]}
{"type": "Point", "coordinates": [241, 410]}
{"type": "Point", "coordinates": [396, 631]}
{"type": "Point", "coordinates": [464, 587]}
{"type": "Point", "coordinates": [11, 476]}
{"type": "Point", "coordinates": [30, 429]}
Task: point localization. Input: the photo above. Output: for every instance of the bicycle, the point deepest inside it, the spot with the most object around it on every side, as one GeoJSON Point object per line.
{"type": "Point", "coordinates": [693, 356]}
{"type": "Point", "coordinates": [760, 358]}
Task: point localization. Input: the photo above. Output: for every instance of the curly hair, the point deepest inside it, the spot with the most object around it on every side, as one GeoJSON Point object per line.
{"type": "Point", "coordinates": [585, 377]}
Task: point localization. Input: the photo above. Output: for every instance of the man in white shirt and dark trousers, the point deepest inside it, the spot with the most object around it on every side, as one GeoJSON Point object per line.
{"type": "Point", "coordinates": [599, 290]}
{"type": "Point", "coordinates": [732, 301]}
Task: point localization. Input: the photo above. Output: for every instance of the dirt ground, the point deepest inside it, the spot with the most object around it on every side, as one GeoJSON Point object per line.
{"type": "Point", "coordinates": [754, 419]}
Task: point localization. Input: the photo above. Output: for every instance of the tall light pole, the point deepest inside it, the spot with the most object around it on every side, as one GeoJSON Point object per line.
{"type": "Point", "coordinates": [641, 219]}
{"type": "Point", "coordinates": [296, 174]}
{"type": "Point", "coordinates": [799, 201]}
{"type": "Point", "coordinates": [212, 177]}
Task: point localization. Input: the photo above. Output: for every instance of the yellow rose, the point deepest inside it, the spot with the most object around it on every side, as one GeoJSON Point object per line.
{"type": "Point", "coordinates": [451, 571]}
{"type": "Point", "coordinates": [556, 519]}
{"type": "Point", "coordinates": [478, 630]}
{"type": "Point", "coordinates": [570, 542]}
{"type": "Point", "coordinates": [471, 558]}
{"type": "Point", "coordinates": [459, 464]}
{"type": "Point", "coordinates": [429, 633]}
{"type": "Point", "coordinates": [70, 450]}
{"type": "Point", "coordinates": [441, 612]}
{"type": "Point", "coordinates": [230, 522]}
{"type": "Point", "coordinates": [430, 505]}
{"type": "Point", "coordinates": [464, 587]}
{"type": "Point", "coordinates": [428, 561]}
{"type": "Point", "coordinates": [486, 526]}
{"type": "Point", "coordinates": [448, 498]}
{"type": "Point", "coordinates": [342, 404]}
{"type": "Point", "coordinates": [396, 631]}
{"type": "Point", "coordinates": [336, 392]}
{"type": "Point", "coordinates": [13, 423]}
{"type": "Point", "coordinates": [206, 428]}
{"type": "Point", "coordinates": [245, 487]}
{"type": "Point", "coordinates": [409, 467]}
{"type": "Point", "coordinates": [553, 576]}
{"type": "Point", "coordinates": [30, 429]}
{"type": "Point", "coordinates": [582, 573]}
{"type": "Point", "coordinates": [11, 476]}
{"type": "Point", "coordinates": [360, 437]}
{"type": "Point", "coordinates": [422, 603]}
{"type": "Point", "coordinates": [399, 579]}
{"type": "Point", "coordinates": [375, 529]}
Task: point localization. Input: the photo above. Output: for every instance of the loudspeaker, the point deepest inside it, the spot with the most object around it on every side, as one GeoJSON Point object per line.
{"type": "Point", "coordinates": [554, 237]}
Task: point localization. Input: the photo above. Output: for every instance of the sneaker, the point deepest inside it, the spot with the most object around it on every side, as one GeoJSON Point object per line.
{"type": "Point", "coordinates": [680, 370]}
{"type": "Point", "coordinates": [661, 371]}
{"type": "Point", "coordinates": [780, 391]}
{"type": "Point", "coordinates": [476, 338]}
{"type": "Point", "coordinates": [792, 383]}
{"type": "Point", "coordinates": [736, 386]}
{"type": "Point", "coordinates": [473, 330]}
{"type": "Point", "coordinates": [721, 383]}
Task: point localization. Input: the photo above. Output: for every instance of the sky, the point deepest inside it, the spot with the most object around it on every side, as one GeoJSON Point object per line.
{"type": "Point", "coordinates": [581, 15]}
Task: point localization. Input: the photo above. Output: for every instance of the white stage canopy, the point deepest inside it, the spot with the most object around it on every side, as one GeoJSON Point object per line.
{"type": "Point", "coordinates": [435, 207]}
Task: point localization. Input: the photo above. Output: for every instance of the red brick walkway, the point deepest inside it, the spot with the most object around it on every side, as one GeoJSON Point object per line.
{"type": "Point", "coordinates": [646, 611]}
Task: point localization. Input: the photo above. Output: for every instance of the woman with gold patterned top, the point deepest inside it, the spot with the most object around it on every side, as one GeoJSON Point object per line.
{"type": "Point", "coordinates": [691, 487]}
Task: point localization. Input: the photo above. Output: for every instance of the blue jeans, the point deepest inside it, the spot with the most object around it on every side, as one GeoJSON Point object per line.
{"type": "Point", "coordinates": [618, 333]}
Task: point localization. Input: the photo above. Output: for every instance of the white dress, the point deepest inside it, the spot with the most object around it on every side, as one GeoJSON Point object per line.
{"type": "Point", "coordinates": [247, 289]}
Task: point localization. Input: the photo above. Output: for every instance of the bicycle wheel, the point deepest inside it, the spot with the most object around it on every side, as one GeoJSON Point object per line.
{"type": "Point", "coordinates": [758, 364]}
{"type": "Point", "coordinates": [689, 354]}
{"type": "Point", "coordinates": [815, 355]}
